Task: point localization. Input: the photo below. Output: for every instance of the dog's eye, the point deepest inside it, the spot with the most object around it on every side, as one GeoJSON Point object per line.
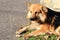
{"type": "Point", "coordinates": [40, 11]}
{"type": "Point", "coordinates": [30, 11]}
{"type": "Point", "coordinates": [36, 12]}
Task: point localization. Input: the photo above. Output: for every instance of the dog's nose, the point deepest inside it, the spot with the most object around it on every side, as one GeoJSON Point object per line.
{"type": "Point", "coordinates": [32, 19]}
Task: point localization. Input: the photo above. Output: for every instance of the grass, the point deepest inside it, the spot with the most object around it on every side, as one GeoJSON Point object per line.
{"type": "Point", "coordinates": [40, 37]}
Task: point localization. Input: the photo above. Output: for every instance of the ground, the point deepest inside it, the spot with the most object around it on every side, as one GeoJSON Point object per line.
{"type": "Point", "coordinates": [12, 17]}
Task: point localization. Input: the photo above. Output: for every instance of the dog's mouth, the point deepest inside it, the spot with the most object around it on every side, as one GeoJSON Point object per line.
{"type": "Point", "coordinates": [33, 19]}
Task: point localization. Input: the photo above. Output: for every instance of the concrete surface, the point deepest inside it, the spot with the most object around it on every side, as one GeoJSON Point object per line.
{"type": "Point", "coordinates": [12, 16]}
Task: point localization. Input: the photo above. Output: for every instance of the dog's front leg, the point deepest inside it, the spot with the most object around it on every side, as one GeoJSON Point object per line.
{"type": "Point", "coordinates": [21, 30]}
{"type": "Point", "coordinates": [34, 33]}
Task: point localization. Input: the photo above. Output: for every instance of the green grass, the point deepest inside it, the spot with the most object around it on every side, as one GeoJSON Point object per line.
{"type": "Point", "coordinates": [40, 37]}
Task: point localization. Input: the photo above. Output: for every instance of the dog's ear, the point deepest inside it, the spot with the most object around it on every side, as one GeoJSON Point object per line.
{"type": "Point", "coordinates": [28, 4]}
{"type": "Point", "coordinates": [44, 9]}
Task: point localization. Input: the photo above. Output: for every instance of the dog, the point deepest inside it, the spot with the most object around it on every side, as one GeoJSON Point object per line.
{"type": "Point", "coordinates": [42, 19]}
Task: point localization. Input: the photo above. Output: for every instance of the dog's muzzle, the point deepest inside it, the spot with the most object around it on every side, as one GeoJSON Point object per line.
{"type": "Point", "coordinates": [33, 18]}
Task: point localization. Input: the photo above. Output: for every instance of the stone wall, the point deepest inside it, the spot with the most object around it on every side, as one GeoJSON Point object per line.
{"type": "Point", "coordinates": [53, 4]}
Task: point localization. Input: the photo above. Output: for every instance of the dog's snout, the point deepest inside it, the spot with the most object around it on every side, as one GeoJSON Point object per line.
{"type": "Point", "coordinates": [33, 18]}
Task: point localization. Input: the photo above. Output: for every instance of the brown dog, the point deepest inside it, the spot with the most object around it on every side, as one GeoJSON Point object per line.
{"type": "Point", "coordinates": [37, 14]}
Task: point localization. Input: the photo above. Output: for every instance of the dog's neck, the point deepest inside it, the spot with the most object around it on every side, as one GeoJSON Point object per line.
{"type": "Point", "coordinates": [34, 22]}
{"type": "Point", "coordinates": [34, 25]}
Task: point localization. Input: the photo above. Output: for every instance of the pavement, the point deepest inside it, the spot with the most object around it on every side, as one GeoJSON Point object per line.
{"type": "Point", "coordinates": [12, 17]}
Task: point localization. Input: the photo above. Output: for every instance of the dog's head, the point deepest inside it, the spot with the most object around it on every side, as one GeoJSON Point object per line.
{"type": "Point", "coordinates": [36, 12]}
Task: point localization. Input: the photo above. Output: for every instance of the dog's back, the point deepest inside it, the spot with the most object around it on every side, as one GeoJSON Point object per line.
{"type": "Point", "coordinates": [53, 14]}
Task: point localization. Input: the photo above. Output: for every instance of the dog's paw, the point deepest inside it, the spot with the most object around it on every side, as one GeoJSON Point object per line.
{"type": "Point", "coordinates": [26, 36]}
{"type": "Point", "coordinates": [17, 32]}
{"type": "Point", "coordinates": [17, 35]}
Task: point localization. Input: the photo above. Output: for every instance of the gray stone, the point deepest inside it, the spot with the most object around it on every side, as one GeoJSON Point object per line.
{"type": "Point", "coordinates": [12, 17]}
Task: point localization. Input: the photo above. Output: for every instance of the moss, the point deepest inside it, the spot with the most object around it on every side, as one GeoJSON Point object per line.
{"type": "Point", "coordinates": [40, 37]}
{"type": "Point", "coordinates": [52, 37]}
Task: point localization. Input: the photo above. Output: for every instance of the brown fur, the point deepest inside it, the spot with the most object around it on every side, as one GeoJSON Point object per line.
{"type": "Point", "coordinates": [35, 10]}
